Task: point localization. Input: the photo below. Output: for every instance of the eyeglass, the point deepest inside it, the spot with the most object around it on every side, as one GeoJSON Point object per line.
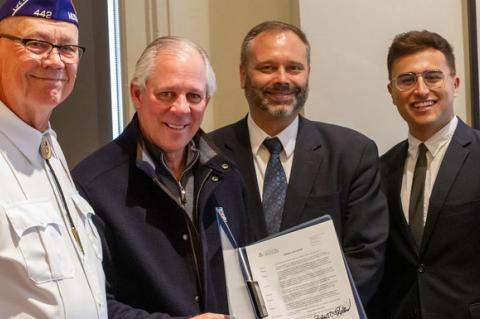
{"type": "Point", "coordinates": [433, 79]}
{"type": "Point", "coordinates": [69, 53]}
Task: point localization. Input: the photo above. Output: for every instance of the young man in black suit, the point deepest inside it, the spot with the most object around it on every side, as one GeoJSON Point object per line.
{"type": "Point", "coordinates": [432, 268]}
{"type": "Point", "coordinates": [319, 168]}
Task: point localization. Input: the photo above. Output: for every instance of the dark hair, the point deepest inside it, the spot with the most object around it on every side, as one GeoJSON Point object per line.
{"type": "Point", "coordinates": [415, 41]}
{"type": "Point", "coordinates": [271, 26]}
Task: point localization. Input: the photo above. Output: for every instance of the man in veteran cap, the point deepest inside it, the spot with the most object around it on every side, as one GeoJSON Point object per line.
{"type": "Point", "coordinates": [50, 255]}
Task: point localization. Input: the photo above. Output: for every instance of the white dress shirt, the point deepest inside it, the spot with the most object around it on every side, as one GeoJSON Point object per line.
{"type": "Point", "coordinates": [261, 155]}
{"type": "Point", "coordinates": [437, 146]}
{"type": "Point", "coordinates": [43, 273]}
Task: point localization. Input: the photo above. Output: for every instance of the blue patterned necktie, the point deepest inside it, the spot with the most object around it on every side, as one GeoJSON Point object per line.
{"type": "Point", "coordinates": [274, 186]}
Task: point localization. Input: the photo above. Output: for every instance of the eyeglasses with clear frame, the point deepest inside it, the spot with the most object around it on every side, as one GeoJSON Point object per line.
{"type": "Point", "coordinates": [433, 79]}
{"type": "Point", "coordinates": [69, 53]}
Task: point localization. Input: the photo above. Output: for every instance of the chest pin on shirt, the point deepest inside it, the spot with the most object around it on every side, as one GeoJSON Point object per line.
{"type": "Point", "coordinates": [46, 153]}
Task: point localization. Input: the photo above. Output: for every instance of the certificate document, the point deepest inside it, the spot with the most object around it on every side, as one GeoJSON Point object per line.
{"type": "Point", "coordinates": [299, 274]}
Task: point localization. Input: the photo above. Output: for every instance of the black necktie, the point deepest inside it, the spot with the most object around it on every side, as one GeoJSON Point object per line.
{"type": "Point", "coordinates": [416, 212]}
{"type": "Point", "coordinates": [274, 186]}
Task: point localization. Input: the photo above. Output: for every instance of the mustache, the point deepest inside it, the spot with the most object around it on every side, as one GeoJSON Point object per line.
{"type": "Point", "coordinates": [282, 88]}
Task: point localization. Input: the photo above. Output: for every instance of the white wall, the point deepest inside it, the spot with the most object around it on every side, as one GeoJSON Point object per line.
{"type": "Point", "coordinates": [350, 39]}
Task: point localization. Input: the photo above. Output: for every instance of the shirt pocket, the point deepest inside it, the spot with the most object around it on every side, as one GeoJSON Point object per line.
{"type": "Point", "coordinates": [40, 236]}
{"type": "Point", "coordinates": [86, 211]}
{"type": "Point", "coordinates": [94, 269]}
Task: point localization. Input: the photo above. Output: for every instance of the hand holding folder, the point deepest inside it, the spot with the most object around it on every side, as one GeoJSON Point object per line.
{"type": "Point", "coordinates": [298, 273]}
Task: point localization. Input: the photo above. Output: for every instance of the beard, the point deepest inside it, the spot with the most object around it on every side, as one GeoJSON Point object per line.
{"type": "Point", "coordinates": [258, 97]}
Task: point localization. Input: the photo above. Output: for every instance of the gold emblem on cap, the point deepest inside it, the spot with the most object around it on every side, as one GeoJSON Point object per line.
{"type": "Point", "coordinates": [45, 149]}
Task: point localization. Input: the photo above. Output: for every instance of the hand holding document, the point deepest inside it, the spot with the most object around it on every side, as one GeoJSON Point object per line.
{"type": "Point", "coordinates": [298, 274]}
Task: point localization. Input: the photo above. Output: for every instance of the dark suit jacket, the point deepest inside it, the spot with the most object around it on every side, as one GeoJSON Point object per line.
{"type": "Point", "coordinates": [335, 172]}
{"type": "Point", "coordinates": [442, 278]}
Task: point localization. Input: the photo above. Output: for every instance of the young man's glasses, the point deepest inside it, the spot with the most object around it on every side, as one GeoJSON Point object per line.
{"type": "Point", "coordinates": [69, 53]}
{"type": "Point", "coordinates": [433, 79]}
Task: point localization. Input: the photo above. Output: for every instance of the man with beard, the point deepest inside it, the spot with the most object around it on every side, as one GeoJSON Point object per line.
{"type": "Point", "coordinates": [315, 168]}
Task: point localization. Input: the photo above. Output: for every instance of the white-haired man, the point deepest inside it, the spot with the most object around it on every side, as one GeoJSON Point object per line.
{"type": "Point", "coordinates": [50, 253]}
{"type": "Point", "coordinates": [156, 189]}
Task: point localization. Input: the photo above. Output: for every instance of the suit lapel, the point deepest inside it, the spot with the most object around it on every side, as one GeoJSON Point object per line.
{"type": "Point", "coordinates": [452, 163]}
{"type": "Point", "coordinates": [307, 159]}
{"type": "Point", "coordinates": [393, 182]}
{"type": "Point", "coordinates": [241, 153]}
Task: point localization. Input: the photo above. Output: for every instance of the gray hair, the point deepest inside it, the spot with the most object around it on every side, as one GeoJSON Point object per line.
{"type": "Point", "coordinates": [146, 62]}
{"type": "Point", "coordinates": [268, 26]}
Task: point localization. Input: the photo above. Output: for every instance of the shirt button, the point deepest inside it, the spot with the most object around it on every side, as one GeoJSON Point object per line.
{"type": "Point", "coordinates": [421, 268]}
{"type": "Point", "coordinates": [185, 237]}
{"type": "Point", "coordinates": [215, 178]}
{"type": "Point", "coordinates": [225, 166]}
{"type": "Point", "coordinates": [197, 299]}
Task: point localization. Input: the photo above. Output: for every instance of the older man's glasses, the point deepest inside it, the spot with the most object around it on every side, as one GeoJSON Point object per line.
{"type": "Point", "coordinates": [69, 53]}
{"type": "Point", "coordinates": [433, 79]}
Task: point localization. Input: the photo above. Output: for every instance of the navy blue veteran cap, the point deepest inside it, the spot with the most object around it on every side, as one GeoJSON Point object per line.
{"type": "Point", "coordinates": [62, 10]}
